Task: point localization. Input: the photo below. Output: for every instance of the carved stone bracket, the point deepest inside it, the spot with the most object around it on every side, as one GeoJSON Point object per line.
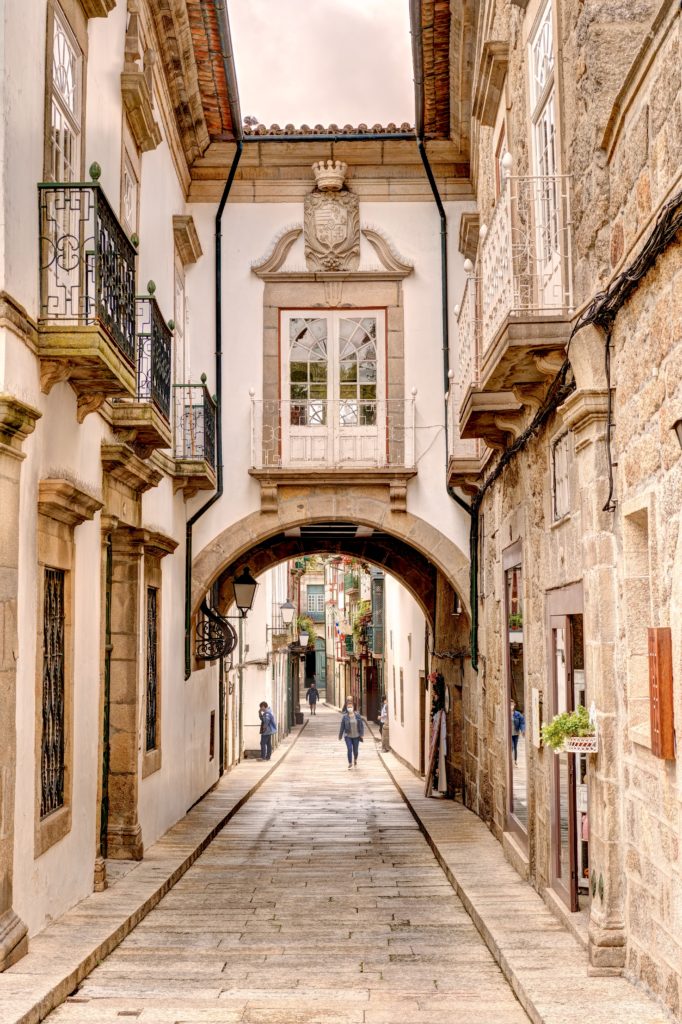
{"type": "Point", "coordinates": [89, 403]}
{"type": "Point", "coordinates": [62, 500]}
{"type": "Point", "coordinates": [274, 483]}
{"type": "Point", "coordinates": [469, 227]}
{"type": "Point", "coordinates": [586, 413]}
{"type": "Point", "coordinates": [120, 462]}
{"type": "Point", "coordinates": [491, 75]}
{"type": "Point", "coordinates": [186, 238]}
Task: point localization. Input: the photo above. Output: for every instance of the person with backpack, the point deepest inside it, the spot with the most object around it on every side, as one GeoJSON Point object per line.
{"type": "Point", "coordinates": [268, 728]}
{"type": "Point", "coordinates": [518, 728]}
{"type": "Point", "coordinates": [313, 695]}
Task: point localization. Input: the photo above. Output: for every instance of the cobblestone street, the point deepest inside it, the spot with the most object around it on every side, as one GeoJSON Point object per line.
{"type": "Point", "coordinates": [319, 903]}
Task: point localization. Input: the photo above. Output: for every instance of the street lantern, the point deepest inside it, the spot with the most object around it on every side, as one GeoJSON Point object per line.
{"type": "Point", "coordinates": [287, 609]}
{"type": "Point", "coordinates": [302, 639]}
{"type": "Point", "coordinates": [244, 587]}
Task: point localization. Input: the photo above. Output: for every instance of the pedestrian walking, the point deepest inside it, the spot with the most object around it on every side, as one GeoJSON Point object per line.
{"type": "Point", "coordinates": [268, 727]}
{"type": "Point", "coordinates": [313, 695]}
{"type": "Point", "coordinates": [352, 730]}
{"type": "Point", "coordinates": [383, 715]}
{"type": "Point", "coordinates": [518, 728]}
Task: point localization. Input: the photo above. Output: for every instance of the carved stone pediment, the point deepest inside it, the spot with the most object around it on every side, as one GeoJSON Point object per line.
{"type": "Point", "coordinates": [332, 230]}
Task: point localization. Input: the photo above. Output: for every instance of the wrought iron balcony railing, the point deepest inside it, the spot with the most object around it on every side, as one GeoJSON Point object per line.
{"type": "Point", "coordinates": [468, 331]}
{"type": "Point", "coordinates": [524, 261]}
{"type": "Point", "coordinates": [195, 422]}
{"type": "Point", "coordinates": [87, 262]}
{"type": "Point", "coordinates": [154, 346]}
{"type": "Point", "coordinates": [458, 446]}
{"type": "Point", "coordinates": [339, 434]}
{"type": "Point", "coordinates": [351, 581]}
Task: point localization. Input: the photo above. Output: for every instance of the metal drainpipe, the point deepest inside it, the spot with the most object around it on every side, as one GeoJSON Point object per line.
{"type": "Point", "coordinates": [473, 532]}
{"type": "Point", "coordinates": [219, 426]}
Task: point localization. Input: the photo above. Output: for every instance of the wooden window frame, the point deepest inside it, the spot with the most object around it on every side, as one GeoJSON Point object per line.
{"type": "Point", "coordinates": [74, 23]}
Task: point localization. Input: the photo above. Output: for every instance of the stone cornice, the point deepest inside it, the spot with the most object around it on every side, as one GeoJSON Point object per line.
{"type": "Point", "coordinates": [14, 317]}
{"type": "Point", "coordinates": [491, 75]}
{"type": "Point", "coordinates": [97, 8]}
{"type": "Point", "coordinates": [17, 421]}
{"type": "Point", "coordinates": [138, 106]}
{"type": "Point", "coordinates": [586, 413]}
{"type": "Point", "coordinates": [64, 501]}
{"type": "Point", "coordinates": [394, 479]}
{"type": "Point", "coordinates": [121, 463]}
{"type": "Point", "coordinates": [292, 276]}
{"type": "Point", "coordinates": [156, 544]}
{"type": "Point", "coordinates": [186, 238]}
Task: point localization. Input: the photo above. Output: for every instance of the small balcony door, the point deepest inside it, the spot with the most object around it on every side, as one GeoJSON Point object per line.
{"type": "Point", "coordinates": [333, 384]}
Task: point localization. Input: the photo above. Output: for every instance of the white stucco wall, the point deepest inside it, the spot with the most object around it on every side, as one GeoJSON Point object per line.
{"type": "Point", "coordinates": [403, 619]}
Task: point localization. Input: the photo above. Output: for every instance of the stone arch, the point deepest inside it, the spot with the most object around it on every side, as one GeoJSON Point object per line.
{"type": "Point", "coordinates": [411, 547]}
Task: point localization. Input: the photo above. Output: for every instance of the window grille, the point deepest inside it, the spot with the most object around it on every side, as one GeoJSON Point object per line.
{"type": "Point", "coordinates": [52, 743]}
{"type": "Point", "coordinates": [152, 678]}
{"type": "Point", "coordinates": [561, 462]}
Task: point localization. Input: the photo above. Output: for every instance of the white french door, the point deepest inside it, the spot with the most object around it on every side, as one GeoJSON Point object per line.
{"type": "Point", "coordinates": [547, 207]}
{"type": "Point", "coordinates": [333, 384]}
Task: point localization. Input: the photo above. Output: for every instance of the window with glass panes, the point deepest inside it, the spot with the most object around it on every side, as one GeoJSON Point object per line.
{"type": "Point", "coordinates": [64, 100]}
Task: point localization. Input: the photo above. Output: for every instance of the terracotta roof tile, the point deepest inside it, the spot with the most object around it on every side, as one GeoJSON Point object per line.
{"type": "Point", "coordinates": [210, 70]}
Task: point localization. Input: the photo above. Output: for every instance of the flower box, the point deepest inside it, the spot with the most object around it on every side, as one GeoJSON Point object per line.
{"type": "Point", "coordinates": [581, 744]}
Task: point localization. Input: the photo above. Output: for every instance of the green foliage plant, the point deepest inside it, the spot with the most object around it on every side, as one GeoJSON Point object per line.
{"type": "Point", "coordinates": [304, 624]}
{"type": "Point", "coordinates": [569, 723]}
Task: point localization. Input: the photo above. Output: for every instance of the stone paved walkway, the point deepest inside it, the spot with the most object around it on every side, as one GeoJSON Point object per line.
{"type": "Point", "coordinates": [319, 903]}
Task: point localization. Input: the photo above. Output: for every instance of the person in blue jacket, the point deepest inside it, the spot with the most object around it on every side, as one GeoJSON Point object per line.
{"type": "Point", "coordinates": [352, 730]}
{"type": "Point", "coordinates": [518, 728]}
{"type": "Point", "coordinates": [268, 727]}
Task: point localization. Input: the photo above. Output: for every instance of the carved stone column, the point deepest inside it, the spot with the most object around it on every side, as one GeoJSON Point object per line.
{"type": "Point", "coordinates": [586, 413]}
{"type": "Point", "coordinates": [17, 421]}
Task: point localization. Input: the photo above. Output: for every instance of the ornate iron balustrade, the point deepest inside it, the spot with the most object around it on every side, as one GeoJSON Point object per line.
{"type": "Point", "coordinates": [468, 331]}
{"type": "Point", "coordinates": [87, 262]}
{"type": "Point", "coordinates": [524, 258]}
{"type": "Point", "coordinates": [351, 581]}
{"type": "Point", "coordinates": [154, 347]}
{"type": "Point", "coordinates": [339, 434]}
{"type": "Point", "coordinates": [195, 422]}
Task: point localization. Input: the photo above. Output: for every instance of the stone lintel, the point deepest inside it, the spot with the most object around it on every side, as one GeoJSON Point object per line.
{"type": "Point", "coordinates": [312, 276]}
{"type": "Point", "coordinates": [272, 481]}
{"type": "Point", "coordinates": [586, 413]}
{"type": "Point", "coordinates": [66, 502]}
{"type": "Point", "coordinates": [138, 105]}
{"type": "Point", "coordinates": [13, 939]}
{"type": "Point", "coordinates": [97, 8]}
{"type": "Point", "coordinates": [155, 543]}
{"type": "Point", "coordinates": [186, 238]}
{"type": "Point", "coordinates": [17, 421]}
{"type": "Point", "coordinates": [121, 463]}
{"type": "Point", "coordinates": [491, 75]}
{"type": "Point", "coordinates": [526, 350]}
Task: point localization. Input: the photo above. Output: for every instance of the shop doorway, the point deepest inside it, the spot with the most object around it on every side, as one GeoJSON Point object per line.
{"type": "Point", "coordinates": [516, 714]}
{"type": "Point", "coordinates": [570, 813]}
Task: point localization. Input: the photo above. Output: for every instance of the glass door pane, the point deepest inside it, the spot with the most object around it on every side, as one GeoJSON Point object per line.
{"type": "Point", "coordinates": [304, 416]}
{"type": "Point", "coordinates": [361, 410]}
{"type": "Point", "coordinates": [564, 795]}
{"type": "Point", "coordinates": [517, 747]}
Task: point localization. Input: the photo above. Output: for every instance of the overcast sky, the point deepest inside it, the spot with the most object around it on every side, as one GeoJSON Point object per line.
{"type": "Point", "coordinates": [323, 61]}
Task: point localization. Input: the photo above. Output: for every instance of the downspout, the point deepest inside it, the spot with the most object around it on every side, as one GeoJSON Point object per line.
{"type": "Point", "coordinates": [415, 21]}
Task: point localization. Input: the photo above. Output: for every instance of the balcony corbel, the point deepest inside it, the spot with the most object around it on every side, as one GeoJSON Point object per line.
{"type": "Point", "coordinates": [136, 84]}
{"type": "Point", "coordinates": [97, 8]}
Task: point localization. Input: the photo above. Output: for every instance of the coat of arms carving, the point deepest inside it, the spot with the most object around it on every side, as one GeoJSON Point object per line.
{"type": "Point", "coordinates": [332, 221]}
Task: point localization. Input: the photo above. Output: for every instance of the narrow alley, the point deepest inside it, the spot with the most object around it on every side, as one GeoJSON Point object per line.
{"type": "Point", "coordinates": [319, 903]}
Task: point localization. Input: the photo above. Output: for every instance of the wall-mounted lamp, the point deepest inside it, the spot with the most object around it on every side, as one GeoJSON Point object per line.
{"type": "Point", "coordinates": [216, 638]}
{"type": "Point", "coordinates": [287, 614]}
{"type": "Point", "coordinates": [303, 639]}
{"type": "Point", "coordinates": [244, 587]}
{"type": "Point", "coordinates": [677, 427]}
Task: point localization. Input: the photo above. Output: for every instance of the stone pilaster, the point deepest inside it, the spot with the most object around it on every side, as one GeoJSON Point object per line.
{"type": "Point", "coordinates": [17, 421]}
{"type": "Point", "coordinates": [586, 413]}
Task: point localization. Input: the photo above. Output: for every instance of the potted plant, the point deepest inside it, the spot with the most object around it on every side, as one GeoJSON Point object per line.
{"type": "Point", "coordinates": [572, 732]}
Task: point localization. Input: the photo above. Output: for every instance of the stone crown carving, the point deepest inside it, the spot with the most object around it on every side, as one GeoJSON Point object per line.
{"type": "Point", "coordinates": [330, 175]}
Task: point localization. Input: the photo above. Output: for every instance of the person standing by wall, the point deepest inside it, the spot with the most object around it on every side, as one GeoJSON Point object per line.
{"type": "Point", "coordinates": [268, 727]}
{"type": "Point", "coordinates": [518, 728]}
{"type": "Point", "coordinates": [313, 695]}
{"type": "Point", "coordinates": [353, 731]}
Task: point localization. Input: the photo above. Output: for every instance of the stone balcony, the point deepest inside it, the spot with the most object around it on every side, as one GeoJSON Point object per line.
{"type": "Point", "coordinates": [144, 422]}
{"type": "Point", "coordinates": [194, 449]}
{"type": "Point", "coordinates": [515, 316]}
{"type": "Point", "coordinates": [340, 443]}
{"type": "Point", "coordinates": [467, 457]}
{"type": "Point", "coordinates": [86, 325]}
